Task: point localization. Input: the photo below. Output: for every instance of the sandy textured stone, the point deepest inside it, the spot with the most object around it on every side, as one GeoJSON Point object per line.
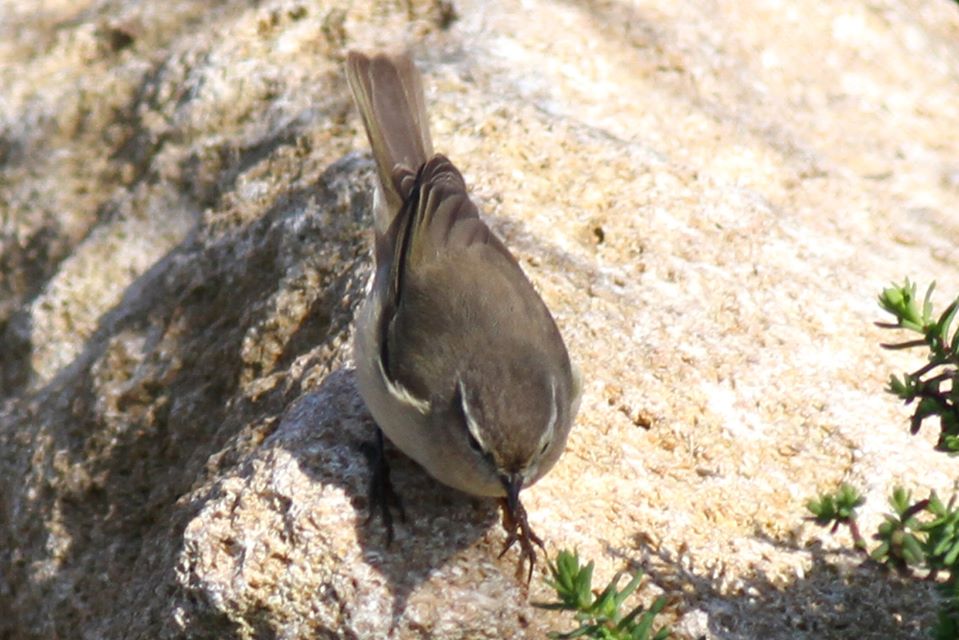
{"type": "Point", "coordinates": [709, 197]}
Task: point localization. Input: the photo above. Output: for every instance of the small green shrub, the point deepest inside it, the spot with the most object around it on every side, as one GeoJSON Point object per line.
{"type": "Point", "coordinates": [932, 386]}
{"type": "Point", "coordinates": [916, 536]}
{"type": "Point", "coordinates": [921, 535]}
{"type": "Point", "coordinates": [600, 616]}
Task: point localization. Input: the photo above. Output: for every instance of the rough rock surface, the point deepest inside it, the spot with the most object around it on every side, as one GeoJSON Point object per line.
{"type": "Point", "coordinates": [708, 195]}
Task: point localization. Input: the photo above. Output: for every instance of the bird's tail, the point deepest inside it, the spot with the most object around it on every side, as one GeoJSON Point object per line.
{"type": "Point", "coordinates": [388, 92]}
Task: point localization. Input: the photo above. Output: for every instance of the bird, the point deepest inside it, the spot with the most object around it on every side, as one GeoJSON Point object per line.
{"type": "Point", "coordinates": [458, 359]}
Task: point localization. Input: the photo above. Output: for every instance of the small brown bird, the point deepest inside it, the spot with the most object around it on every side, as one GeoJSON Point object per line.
{"type": "Point", "coordinates": [458, 359]}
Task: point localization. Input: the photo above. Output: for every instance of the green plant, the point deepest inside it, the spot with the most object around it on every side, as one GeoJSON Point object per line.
{"type": "Point", "coordinates": [933, 384]}
{"type": "Point", "coordinates": [839, 508]}
{"type": "Point", "coordinates": [902, 537]}
{"type": "Point", "coordinates": [600, 616]}
{"type": "Point", "coordinates": [921, 535]}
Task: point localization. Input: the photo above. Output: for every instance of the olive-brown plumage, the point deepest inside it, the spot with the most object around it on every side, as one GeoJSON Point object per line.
{"type": "Point", "coordinates": [458, 359]}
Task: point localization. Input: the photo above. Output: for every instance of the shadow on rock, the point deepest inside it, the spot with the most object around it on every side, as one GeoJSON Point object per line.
{"type": "Point", "coordinates": [105, 466]}
{"type": "Point", "coordinates": [325, 431]}
{"type": "Point", "coordinates": [836, 597]}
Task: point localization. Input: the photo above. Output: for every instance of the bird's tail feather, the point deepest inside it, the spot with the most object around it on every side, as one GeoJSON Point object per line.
{"type": "Point", "coordinates": [388, 92]}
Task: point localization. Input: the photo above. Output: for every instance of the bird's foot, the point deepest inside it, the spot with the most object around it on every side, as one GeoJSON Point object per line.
{"type": "Point", "coordinates": [382, 498]}
{"type": "Point", "coordinates": [518, 530]}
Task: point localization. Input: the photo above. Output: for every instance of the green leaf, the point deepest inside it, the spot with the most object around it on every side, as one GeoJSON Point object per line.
{"type": "Point", "coordinates": [935, 505]}
{"type": "Point", "coordinates": [641, 632]}
{"type": "Point", "coordinates": [880, 553]}
{"type": "Point", "coordinates": [940, 547]}
{"type": "Point", "coordinates": [900, 301]}
{"type": "Point", "coordinates": [912, 550]}
{"type": "Point", "coordinates": [948, 444]}
{"type": "Point", "coordinates": [950, 558]}
{"type": "Point", "coordinates": [848, 500]}
{"type": "Point", "coordinates": [905, 389]}
{"type": "Point", "coordinates": [584, 581]}
{"type": "Point", "coordinates": [605, 604]}
{"type": "Point", "coordinates": [927, 305]}
{"type": "Point", "coordinates": [945, 321]}
{"type": "Point", "coordinates": [630, 587]}
{"type": "Point", "coordinates": [900, 500]}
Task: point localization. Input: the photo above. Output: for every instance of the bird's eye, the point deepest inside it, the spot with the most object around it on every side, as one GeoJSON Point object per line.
{"type": "Point", "coordinates": [545, 446]}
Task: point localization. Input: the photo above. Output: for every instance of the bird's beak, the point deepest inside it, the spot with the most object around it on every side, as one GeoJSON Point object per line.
{"type": "Point", "coordinates": [512, 483]}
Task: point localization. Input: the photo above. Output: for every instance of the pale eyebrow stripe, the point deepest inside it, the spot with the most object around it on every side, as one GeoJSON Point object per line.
{"type": "Point", "coordinates": [551, 425]}
{"type": "Point", "coordinates": [471, 422]}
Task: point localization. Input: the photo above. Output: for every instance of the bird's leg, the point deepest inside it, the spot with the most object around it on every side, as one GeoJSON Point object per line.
{"type": "Point", "coordinates": [518, 530]}
{"type": "Point", "coordinates": [382, 497]}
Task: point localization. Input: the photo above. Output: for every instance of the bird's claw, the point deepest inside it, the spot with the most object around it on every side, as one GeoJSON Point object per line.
{"type": "Point", "coordinates": [518, 530]}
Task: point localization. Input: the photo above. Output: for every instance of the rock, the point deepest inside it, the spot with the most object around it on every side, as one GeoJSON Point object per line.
{"type": "Point", "coordinates": [709, 201]}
